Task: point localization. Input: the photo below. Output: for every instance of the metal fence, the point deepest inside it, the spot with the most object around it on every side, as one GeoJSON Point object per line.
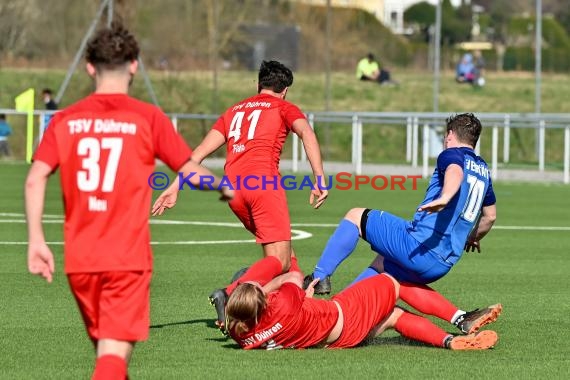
{"type": "Point", "coordinates": [423, 134]}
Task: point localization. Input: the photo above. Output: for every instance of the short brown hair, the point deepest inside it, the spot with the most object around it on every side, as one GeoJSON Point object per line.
{"type": "Point", "coordinates": [466, 127]}
{"type": "Point", "coordinates": [112, 47]}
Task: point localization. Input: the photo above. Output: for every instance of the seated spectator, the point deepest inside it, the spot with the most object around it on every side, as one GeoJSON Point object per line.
{"type": "Point", "coordinates": [5, 131]}
{"type": "Point", "coordinates": [465, 71]}
{"type": "Point", "coordinates": [368, 69]}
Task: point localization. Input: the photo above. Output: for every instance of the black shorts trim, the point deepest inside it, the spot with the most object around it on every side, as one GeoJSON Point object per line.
{"type": "Point", "coordinates": [363, 221]}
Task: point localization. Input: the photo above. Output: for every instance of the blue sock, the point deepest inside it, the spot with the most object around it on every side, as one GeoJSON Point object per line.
{"type": "Point", "coordinates": [368, 272]}
{"type": "Point", "coordinates": [340, 245]}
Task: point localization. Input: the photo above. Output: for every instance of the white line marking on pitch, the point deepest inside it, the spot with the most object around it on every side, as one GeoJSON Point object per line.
{"type": "Point", "coordinates": [296, 234]}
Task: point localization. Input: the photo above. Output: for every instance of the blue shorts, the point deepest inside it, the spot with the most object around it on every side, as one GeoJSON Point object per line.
{"type": "Point", "coordinates": [404, 257]}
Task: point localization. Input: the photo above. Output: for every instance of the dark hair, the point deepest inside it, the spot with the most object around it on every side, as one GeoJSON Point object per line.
{"type": "Point", "coordinates": [112, 47]}
{"type": "Point", "coordinates": [370, 56]}
{"type": "Point", "coordinates": [274, 76]}
{"type": "Point", "coordinates": [2, 116]}
{"type": "Point", "coordinates": [47, 91]}
{"type": "Point", "coordinates": [466, 127]}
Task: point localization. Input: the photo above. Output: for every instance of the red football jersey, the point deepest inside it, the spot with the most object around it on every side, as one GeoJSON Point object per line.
{"type": "Point", "coordinates": [105, 146]}
{"type": "Point", "coordinates": [291, 321]}
{"type": "Point", "coordinates": [255, 130]}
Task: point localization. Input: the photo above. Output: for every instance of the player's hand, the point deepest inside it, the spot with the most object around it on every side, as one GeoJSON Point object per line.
{"type": "Point", "coordinates": [166, 200]}
{"type": "Point", "coordinates": [318, 196]}
{"type": "Point", "coordinates": [434, 206]}
{"type": "Point", "coordinates": [227, 194]}
{"type": "Point", "coordinates": [310, 291]}
{"type": "Point", "coordinates": [473, 245]}
{"type": "Point", "coordinates": [40, 260]}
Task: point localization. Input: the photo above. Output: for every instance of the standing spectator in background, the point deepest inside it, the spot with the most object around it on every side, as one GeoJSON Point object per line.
{"type": "Point", "coordinates": [47, 95]}
{"type": "Point", "coordinates": [5, 131]}
{"type": "Point", "coordinates": [368, 69]}
{"type": "Point", "coordinates": [51, 105]}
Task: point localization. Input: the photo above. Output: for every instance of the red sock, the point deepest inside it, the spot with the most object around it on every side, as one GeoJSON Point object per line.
{"type": "Point", "coordinates": [295, 265]}
{"type": "Point", "coordinates": [110, 367]}
{"type": "Point", "coordinates": [426, 300]}
{"type": "Point", "coordinates": [262, 271]}
{"type": "Point", "coordinates": [421, 329]}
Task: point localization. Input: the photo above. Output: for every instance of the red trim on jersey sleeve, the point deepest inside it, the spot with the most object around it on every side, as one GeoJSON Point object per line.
{"type": "Point", "coordinates": [169, 145]}
{"type": "Point", "coordinates": [220, 126]}
{"type": "Point", "coordinates": [290, 113]}
{"type": "Point", "coordinates": [47, 150]}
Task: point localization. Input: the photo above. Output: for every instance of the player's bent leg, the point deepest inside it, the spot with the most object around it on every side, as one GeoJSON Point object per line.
{"type": "Point", "coordinates": [277, 255]}
{"type": "Point", "coordinates": [388, 323]}
{"type": "Point", "coordinates": [427, 301]}
{"type": "Point", "coordinates": [339, 246]}
{"type": "Point", "coordinates": [355, 216]}
{"type": "Point", "coordinates": [281, 250]}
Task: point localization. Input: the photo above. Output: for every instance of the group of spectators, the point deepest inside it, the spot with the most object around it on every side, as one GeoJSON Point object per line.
{"type": "Point", "coordinates": [468, 70]}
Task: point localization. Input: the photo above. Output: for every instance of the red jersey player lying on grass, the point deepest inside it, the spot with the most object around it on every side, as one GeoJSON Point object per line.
{"type": "Point", "coordinates": [282, 315]}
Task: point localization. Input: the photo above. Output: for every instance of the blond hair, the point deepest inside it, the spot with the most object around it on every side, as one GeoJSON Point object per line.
{"type": "Point", "coordinates": [244, 308]}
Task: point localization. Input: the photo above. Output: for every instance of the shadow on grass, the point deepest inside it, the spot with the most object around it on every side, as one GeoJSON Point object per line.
{"type": "Point", "coordinates": [393, 341]}
{"type": "Point", "coordinates": [208, 322]}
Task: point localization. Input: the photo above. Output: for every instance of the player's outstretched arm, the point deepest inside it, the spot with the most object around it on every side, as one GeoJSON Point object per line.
{"type": "Point", "coordinates": [40, 257]}
{"type": "Point", "coordinates": [451, 185]}
{"type": "Point", "coordinates": [302, 129]}
{"type": "Point", "coordinates": [199, 177]}
{"type": "Point", "coordinates": [486, 222]}
{"type": "Point", "coordinates": [213, 140]}
{"type": "Point", "coordinates": [293, 277]}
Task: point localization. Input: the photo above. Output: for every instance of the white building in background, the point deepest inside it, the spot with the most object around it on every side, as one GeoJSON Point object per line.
{"type": "Point", "coordinates": [388, 12]}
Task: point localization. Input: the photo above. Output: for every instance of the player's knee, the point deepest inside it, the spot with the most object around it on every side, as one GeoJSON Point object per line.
{"type": "Point", "coordinates": [355, 215]}
{"type": "Point", "coordinates": [396, 314]}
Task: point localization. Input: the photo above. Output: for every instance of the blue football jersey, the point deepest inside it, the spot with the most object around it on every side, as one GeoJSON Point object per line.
{"type": "Point", "coordinates": [446, 232]}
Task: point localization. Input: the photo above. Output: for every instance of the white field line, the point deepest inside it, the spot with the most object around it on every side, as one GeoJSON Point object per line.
{"type": "Point", "coordinates": [296, 234]}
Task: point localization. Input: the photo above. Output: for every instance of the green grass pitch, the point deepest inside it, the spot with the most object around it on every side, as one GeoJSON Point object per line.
{"type": "Point", "coordinates": [524, 265]}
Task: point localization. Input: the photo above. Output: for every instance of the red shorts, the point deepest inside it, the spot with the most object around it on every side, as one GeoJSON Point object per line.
{"type": "Point", "coordinates": [364, 305]}
{"type": "Point", "coordinates": [114, 305]}
{"type": "Point", "coordinates": [264, 213]}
